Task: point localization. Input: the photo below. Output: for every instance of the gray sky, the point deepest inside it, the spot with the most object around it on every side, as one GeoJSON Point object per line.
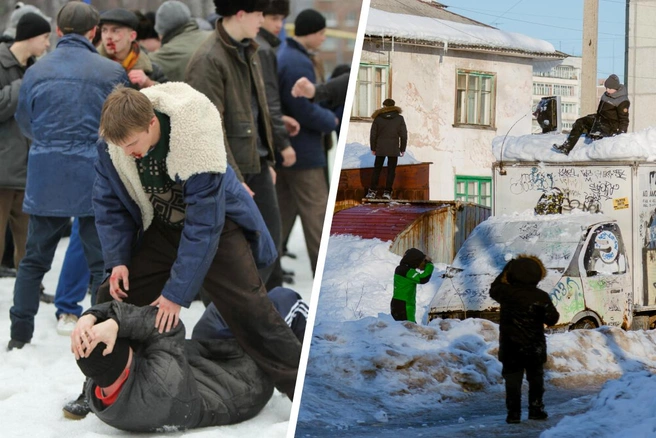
{"type": "Point", "coordinates": [558, 21]}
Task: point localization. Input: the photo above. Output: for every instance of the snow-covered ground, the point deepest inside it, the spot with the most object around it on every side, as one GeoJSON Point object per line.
{"type": "Point", "coordinates": [639, 145]}
{"type": "Point", "coordinates": [365, 369]}
{"type": "Point", "coordinates": [38, 380]}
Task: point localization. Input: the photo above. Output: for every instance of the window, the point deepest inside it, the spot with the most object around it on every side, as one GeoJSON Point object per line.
{"type": "Point", "coordinates": [476, 189]}
{"type": "Point", "coordinates": [331, 18]}
{"type": "Point", "coordinates": [371, 89]}
{"type": "Point", "coordinates": [351, 19]}
{"type": "Point", "coordinates": [475, 98]}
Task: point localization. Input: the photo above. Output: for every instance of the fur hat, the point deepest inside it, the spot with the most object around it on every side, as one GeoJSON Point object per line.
{"type": "Point", "coordinates": [277, 7]}
{"type": "Point", "coordinates": [228, 8]}
{"type": "Point", "coordinates": [31, 25]}
{"type": "Point", "coordinates": [104, 370]}
{"type": "Point", "coordinates": [613, 82]}
{"type": "Point", "coordinates": [170, 16]}
{"type": "Point", "coordinates": [525, 269]}
{"type": "Point", "coordinates": [413, 258]}
{"type": "Point", "coordinates": [146, 27]}
{"type": "Point", "coordinates": [308, 22]}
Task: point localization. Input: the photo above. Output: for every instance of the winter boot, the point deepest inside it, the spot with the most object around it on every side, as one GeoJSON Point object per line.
{"type": "Point", "coordinates": [563, 148]}
{"type": "Point", "coordinates": [387, 194]}
{"type": "Point", "coordinates": [78, 408]}
{"type": "Point", "coordinates": [514, 417]}
{"type": "Point", "coordinates": [371, 194]}
{"type": "Point", "coordinates": [536, 411]}
{"type": "Point", "coordinates": [15, 345]}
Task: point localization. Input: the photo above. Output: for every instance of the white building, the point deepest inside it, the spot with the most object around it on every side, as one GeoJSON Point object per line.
{"type": "Point", "coordinates": [460, 83]}
{"type": "Point", "coordinates": [640, 60]}
{"type": "Point", "coordinates": [564, 81]}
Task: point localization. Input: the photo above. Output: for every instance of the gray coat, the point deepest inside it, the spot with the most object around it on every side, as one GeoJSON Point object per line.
{"type": "Point", "coordinates": [177, 49]}
{"type": "Point", "coordinates": [14, 146]}
{"type": "Point", "coordinates": [178, 383]}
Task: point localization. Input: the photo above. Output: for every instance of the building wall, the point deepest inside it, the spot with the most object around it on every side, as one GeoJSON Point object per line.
{"type": "Point", "coordinates": [640, 74]}
{"type": "Point", "coordinates": [567, 74]}
{"type": "Point", "coordinates": [424, 86]}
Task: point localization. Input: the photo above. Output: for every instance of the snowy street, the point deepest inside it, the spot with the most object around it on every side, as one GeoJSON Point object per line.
{"type": "Point", "coordinates": [38, 380]}
{"type": "Point", "coordinates": [371, 376]}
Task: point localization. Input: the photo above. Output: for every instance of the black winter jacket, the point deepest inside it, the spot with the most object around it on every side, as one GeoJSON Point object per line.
{"type": "Point", "coordinates": [388, 136]}
{"type": "Point", "coordinates": [525, 310]}
{"type": "Point", "coordinates": [613, 112]}
{"type": "Point", "coordinates": [175, 382]}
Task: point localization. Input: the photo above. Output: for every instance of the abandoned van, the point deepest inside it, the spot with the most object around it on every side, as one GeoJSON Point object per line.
{"type": "Point", "coordinates": [588, 277]}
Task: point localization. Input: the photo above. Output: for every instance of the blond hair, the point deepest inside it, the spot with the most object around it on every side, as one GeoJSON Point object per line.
{"type": "Point", "coordinates": [125, 112]}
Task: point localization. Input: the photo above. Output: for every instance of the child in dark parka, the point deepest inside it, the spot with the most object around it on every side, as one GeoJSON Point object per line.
{"type": "Point", "coordinates": [525, 310]}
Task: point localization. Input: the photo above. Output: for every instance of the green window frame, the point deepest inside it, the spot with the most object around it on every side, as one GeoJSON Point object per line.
{"type": "Point", "coordinates": [371, 90]}
{"type": "Point", "coordinates": [476, 189]}
{"type": "Point", "coordinates": [475, 99]}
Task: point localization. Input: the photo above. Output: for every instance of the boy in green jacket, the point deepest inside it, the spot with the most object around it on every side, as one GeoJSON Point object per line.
{"type": "Point", "coordinates": [406, 279]}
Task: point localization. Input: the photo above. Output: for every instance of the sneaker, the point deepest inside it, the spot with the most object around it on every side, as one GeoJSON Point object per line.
{"type": "Point", "coordinates": [13, 344]}
{"type": "Point", "coordinates": [371, 194]}
{"type": "Point", "coordinates": [561, 148]}
{"type": "Point", "coordinates": [77, 409]}
{"type": "Point", "coordinates": [66, 324]}
{"type": "Point", "coordinates": [513, 418]}
{"type": "Point", "coordinates": [537, 414]}
{"type": "Point", "coordinates": [387, 194]}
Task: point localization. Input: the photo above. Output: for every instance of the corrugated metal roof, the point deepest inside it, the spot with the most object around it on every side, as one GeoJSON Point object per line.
{"type": "Point", "coordinates": [379, 220]}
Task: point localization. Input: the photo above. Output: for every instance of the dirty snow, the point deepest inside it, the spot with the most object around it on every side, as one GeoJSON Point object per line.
{"type": "Point", "coordinates": [639, 146]}
{"type": "Point", "coordinates": [38, 380]}
{"type": "Point", "coordinates": [363, 364]}
{"type": "Point", "coordinates": [390, 24]}
{"type": "Point", "coordinates": [357, 156]}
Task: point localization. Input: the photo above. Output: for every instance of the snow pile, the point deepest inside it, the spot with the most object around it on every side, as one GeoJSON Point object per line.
{"type": "Point", "coordinates": [639, 146]}
{"type": "Point", "coordinates": [363, 364]}
{"type": "Point", "coordinates": [389, 24]}
{"type": "Point", "coordinates": [624, 407]}
{"type": "Point", "coordinates": [357, 156]}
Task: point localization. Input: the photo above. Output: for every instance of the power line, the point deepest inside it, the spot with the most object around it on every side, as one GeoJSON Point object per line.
{"type": "Point", "coordinates": [508, 10]}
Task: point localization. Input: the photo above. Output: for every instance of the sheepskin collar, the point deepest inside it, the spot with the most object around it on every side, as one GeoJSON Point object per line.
{"type": "Point", "coordinates": [386, 110]}
{"type": "Point", "coordinates": [196, 142]}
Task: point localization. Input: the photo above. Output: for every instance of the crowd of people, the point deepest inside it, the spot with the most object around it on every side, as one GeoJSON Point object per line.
{"type": "Point", "coordinates": [183, 150]}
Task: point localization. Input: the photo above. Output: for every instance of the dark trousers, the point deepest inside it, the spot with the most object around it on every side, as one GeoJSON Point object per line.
{"type": "Point", "coordinates": [235, 288]}
{"type": "Point", "coordinates": [585, 125]}
{"type": "Point", "coordinates": [513, 375]}
{"type": "Point", "coordinates": [266, 200]}
{"type": "Point", "coordinates": [391, 172]}
{"type": "Point", "coordinates": [399, 310]}
{"type": "Point", "coordinates": [43, 235]}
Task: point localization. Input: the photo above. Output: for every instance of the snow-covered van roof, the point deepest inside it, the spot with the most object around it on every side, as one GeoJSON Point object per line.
{"type": "Point", "coordinates": [553, 238]}
{"type": "Point", "coordinates": [635, 146]}
{"type": "Point", "coordinates": [420, 21]}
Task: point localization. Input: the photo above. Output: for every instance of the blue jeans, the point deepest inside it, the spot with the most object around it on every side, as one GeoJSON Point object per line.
{"type": "Point", "coordinates": [74, 277]}
{"type": "Point", "coordinates": [43, 235]}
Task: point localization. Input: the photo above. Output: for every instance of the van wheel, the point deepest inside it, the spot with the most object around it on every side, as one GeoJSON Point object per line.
{"type": "Point", "coordinates": [583, 324]}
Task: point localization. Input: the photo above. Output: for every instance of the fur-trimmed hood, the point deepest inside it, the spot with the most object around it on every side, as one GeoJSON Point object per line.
{"type": "Point", "coordinates": [196, 141]}
{"type": "Point", "coordinates": [525, 269]}
{"type": "Point", "coordinates": [386, 110]}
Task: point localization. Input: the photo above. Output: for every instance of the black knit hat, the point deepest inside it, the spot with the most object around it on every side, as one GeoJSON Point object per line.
{"type": "Point", "coordinates": [389, 102]}
{"type": "Point", "coordinates": [228, 8]}
{"type": "Point", "coordinates": [31, 25]}
{"type": "Point", "coordinates": [104, 370]}
{"type": "Point", "coordinates": [277, 7]}
{"type": "Point", "coordinates": [413, 258]}
{"type": "Point", "coordinates": [613, 82]}
{"type": "Point", "coordinates": [308, 22]}
{"type": "Point", "coordinates": [120, 16]}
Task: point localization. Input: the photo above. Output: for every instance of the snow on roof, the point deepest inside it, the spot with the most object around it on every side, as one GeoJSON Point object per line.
{"type": "Point", "coordinates": [358, 156]}
{"type": "Point", "coordinates": [382, 23]}
{"type": "Point", "coordinates": [636, 146]}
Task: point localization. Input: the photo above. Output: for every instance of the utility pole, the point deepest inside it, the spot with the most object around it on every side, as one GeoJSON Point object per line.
{"type": "Point", "coordinates": [589, 62]}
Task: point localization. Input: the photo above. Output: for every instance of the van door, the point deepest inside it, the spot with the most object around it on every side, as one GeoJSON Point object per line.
{"type": "Point", "coordinates": [605, 275]}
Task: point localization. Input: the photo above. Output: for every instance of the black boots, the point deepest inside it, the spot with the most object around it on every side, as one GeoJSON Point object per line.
{"type": "Point", "coordinates": [536, 411]}
{"type": "Point", "coordinates": [513, 418]}
{"type": "Point", "coordinates": [78, 408]}
{"type": "Point", "coordinates": [563, 148]}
